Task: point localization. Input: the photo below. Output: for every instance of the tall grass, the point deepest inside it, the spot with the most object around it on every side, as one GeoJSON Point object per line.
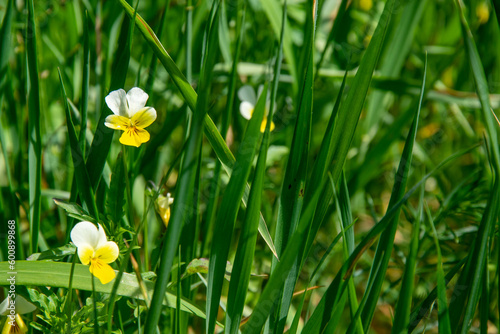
{"type": "Point", "coordinates": [360, 197]}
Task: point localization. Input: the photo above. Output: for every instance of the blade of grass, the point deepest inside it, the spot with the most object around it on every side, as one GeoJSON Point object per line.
{"type": "Point", "coordinates": [182, 207]}
{"type": "Point", "coordinates": [226, 120]}
{"type": "Point", "coordinates": [81, 174]}
{"type": "Point", "coordinates": [85, 84]}
{"type": "Point", "coordinates": [403, 306]}
{"type": "Point", "coordinates": [34, 125]}
{"type": "Point", "coordinates": [274, 13]}
{"type": "Point", "coordinates": [57, 275]}
{"type": "Point", "coordinates": [386, 242]}
{"type": "Point", "coordinates": [229, 207]}
{"type": "Point", "coordinates": [246, 245]}
{"type": "Point", "coordinates": [293, 187]}
{"type": "Point", "coordinates": [444, 316]}
{"type": "Point", "coordinates": [213, 135]}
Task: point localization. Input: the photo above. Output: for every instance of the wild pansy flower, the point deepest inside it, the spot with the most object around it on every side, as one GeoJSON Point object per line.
{"type": "Point", "coordinates": [164, 203]}
{"type": "Point", "coordinates": [130, 115]}
{"type": "Point", "coordinates": [94, 248]}
{"type": "Point", "coordinates": [248, 102]}
{"type": "Point", "coordinates": [12, 308]}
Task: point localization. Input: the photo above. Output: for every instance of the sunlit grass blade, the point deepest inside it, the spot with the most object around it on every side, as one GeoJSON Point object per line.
{"type": "Point", "coordinates": [386, 242]}
{"type": "Point", "coordinates": [85, 85]}
{"type": "Point", "coordinates": [81, 175]}
{"type": "Point", "coordinates": [182, 207]}
{"type": "Point", "coordinates": [246, 245]}
{"type": "Point", "coordinates": [35, 139]}
{"type": "Point", "coordinates": [57, 274]}
{"type": "Point", "coordinates": [403, 306]}
{"type": "Point", "coordinates": [294, 182]}
{"type": "Point", "coordinates": [229, 207]}
{"type": "Point", "coordinates": [348, 116]}
{"type": "Point", "coordinates": [226, 120]}
{"type": "Point", "coordinates": [444, 316]}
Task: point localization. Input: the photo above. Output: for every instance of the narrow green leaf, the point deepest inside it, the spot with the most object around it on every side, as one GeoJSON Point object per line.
{"type": "Point", "coordinates": [403, 306]}
{"type": "Point", "coordinates": [228, 211]}
{"type": "Point", "coordinates": [57, 275]}
{"type": "Point", "coordinates": [444, 316]}
{"type": "Point", "coordinates": [274, 13]}
{"type": "Point", "coordinates": [81, 174]}
{"type": "Point", "coordinates": [34, 125]}
{"type": "Point", "coordinates": [74, 210]}
{"type": "Point", "coordinates": [386, 242]}
{"type": "Point", "coordinates": [115, 199]}
{"type": "Point", "coordinates": [246, 245]}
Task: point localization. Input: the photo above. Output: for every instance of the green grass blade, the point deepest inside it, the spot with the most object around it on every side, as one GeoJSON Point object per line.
{"type": "Point", "coordinates": [274, 13]}
{"type": "Point", "coordinates": [85, 85]}
{"type": "Point", "coordinates": [34, 126]}
{"type": "Point", "coordinates": [294, 182]}
{"type": "Point", "coordinates": [57, 274]}
{"type": "Point", "coordinates": [386, 242]}
{"type": "Point", "coordinates": [246, 245]}
{"type": "Point", "coordinates": [115, 199]}
{"type": "Point", "coordinates": [403, 306]}
{"type": "Point", "coordinates": [230, 205]}
{"type": "Point", "coordinates": [81, 174]}
{"type": "Point", "coordinates": [444, 316]}
{"type": "Point", "coordinates": [182, 207]}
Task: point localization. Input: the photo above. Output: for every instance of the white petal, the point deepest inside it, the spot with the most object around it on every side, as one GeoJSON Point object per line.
{"type": "Point", "coordinates": [102, 238]}
{"type": "Point", "coordinates": [246, 93]}
{"type": "Point", "coordinates": [246, 109]}
{"type": "Point", "coordinates": [85, 233]}
{"type": "Point", "coordinates": [22, 305]}
{"type": "Point", "coordinates": [136, 98]}
{"type": "Point", "coordinates": [117, 102]}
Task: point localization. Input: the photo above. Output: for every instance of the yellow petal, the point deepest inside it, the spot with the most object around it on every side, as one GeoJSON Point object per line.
{"type": "Point", "coordinates": [85, 253]}
{"type": "Point", "coordinates": [102, 271]}
{"type": "Point", "coordinates": [108, 252]}
{"type": "Point", "coordinates": [134, 137]}
{"type": "Point", "coordinates": [144, 117]}
{"type": "Point", "coordinates": [165, 215]}
{"type": "Point", "coordinates": [117, 122]}
{"type": "Point", "coordinates": [263, 125]}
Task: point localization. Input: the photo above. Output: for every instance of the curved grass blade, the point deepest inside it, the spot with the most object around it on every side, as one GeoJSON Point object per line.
{"type": "Point", "coordinates": [57, 274]}
{"type": "Point", "coordinates": [403, 306]}
{"type": "Point", "coordinates": [444, 316]}
{"type": "Point", "coordinates": [183, 209]}
{"type": "Point", "coordinates": [386, 242]}
{"type": "Point", "coordinates": [34, 125]}
{"type": "Point", "coordinates": [81, 175]}
{"type": "Point", "coordinates": [246, 245]}
{"type": "Point", "coordinates": [213, 135]}
{"type": "Point", "coordinates": [229, 207]}
{"type": "Point", "coordinates": [293, 187]}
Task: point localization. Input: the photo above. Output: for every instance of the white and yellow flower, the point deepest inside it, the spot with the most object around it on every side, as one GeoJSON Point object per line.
{"type": "Point", "coordinates": [248, 102]}
{"type": "Point", "coordinates": [164, 203]}
{"type": "Point", "coordinates": [13, 310]}
{"type": "Point", "coordinates": [94, 248]}
{"type": "Point", "coordinates": [130, 115]}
